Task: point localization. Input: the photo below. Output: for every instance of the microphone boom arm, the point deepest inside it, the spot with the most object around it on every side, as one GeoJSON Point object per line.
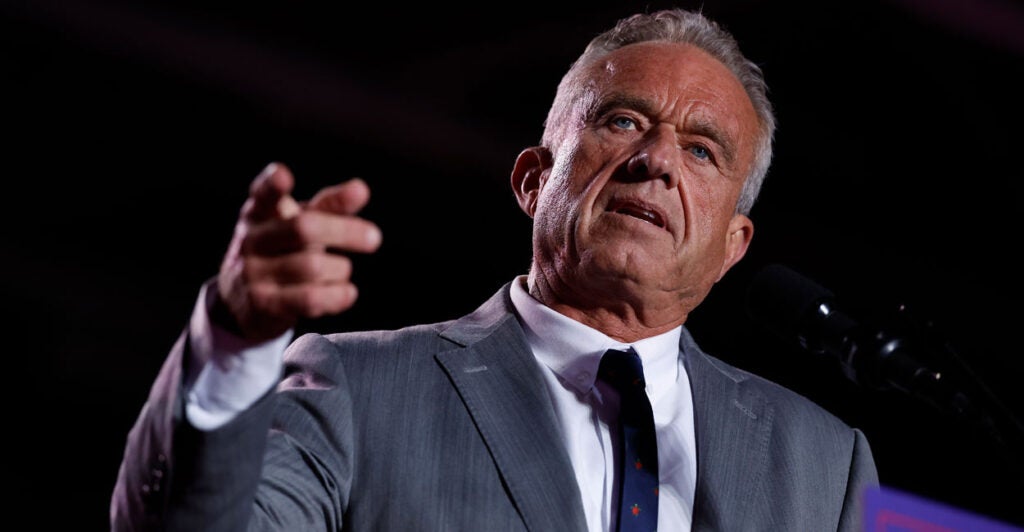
{"type": "Point", "coordinates": [901, 355]}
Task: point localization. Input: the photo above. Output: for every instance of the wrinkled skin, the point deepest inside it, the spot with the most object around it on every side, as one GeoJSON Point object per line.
{"type": "Point", "coordinates": [634, 206]}
{"type": "Point", "coordinates": [288, 260]}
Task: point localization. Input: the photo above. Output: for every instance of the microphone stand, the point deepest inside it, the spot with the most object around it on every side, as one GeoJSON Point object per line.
{"type": "Point", "coordinates": [898, 351]}
{"type": "Point", "coordinates": [906, 354]}
{"type": "Point", "coordinates": [966, 395]}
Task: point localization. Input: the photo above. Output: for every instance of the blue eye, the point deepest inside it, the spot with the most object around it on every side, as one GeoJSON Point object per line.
{"type": "Point", "coordinates": [624, 122]}
{"type": "Point", "coordinates": [700, 152]}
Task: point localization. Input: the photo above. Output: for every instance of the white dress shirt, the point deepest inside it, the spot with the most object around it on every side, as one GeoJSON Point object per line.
{"type": "Point", "coordinates": [230, 375]}
{"type": "Point", "coordinates": [571, 352]}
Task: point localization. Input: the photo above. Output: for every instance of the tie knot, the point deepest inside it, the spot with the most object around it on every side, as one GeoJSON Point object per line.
{"type": "Point", "coordinates": [623, 370]}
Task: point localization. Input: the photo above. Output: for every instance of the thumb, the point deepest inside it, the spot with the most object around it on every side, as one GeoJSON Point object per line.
{"type": "Point", "coordinates": [269, 194]}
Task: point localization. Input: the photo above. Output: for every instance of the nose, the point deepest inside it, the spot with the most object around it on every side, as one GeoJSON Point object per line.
{"type": "Point", "coordinates": [657, 158]}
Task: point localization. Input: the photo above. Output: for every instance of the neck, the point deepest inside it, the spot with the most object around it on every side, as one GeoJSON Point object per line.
{"type": "Point", "coordinates": [619, 312]}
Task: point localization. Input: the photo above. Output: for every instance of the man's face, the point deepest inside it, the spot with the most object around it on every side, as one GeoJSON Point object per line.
{"type": "Point", "coordinates": [639, 201]}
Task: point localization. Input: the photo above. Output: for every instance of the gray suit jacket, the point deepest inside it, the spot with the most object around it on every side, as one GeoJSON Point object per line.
{"type": "Point", "coordinates": [448, 427]}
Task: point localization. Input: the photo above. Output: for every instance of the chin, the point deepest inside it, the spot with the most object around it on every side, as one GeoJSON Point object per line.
{"type": "Point", "coordinates": [632, 270]}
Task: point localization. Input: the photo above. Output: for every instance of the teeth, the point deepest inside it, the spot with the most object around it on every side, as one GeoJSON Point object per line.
{"type": "Point", "coordinates": [647, 216]}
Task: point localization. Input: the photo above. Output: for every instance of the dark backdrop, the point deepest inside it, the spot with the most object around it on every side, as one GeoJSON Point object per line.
{"type": "Point", "coordinates": [133, 131]}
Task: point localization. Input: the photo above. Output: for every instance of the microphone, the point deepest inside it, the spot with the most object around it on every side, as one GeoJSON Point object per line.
{"type": "Point", "coordinates": [891, 354]}
{"type": "Point", "coordinates": [795, 307]}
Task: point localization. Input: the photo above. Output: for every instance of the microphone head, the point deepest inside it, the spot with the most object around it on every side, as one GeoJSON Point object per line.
{"type": "Point", "coordinates": [783, 301]}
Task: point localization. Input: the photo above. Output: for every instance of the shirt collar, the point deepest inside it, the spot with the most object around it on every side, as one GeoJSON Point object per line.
{"type": "Point", "coordinates": [573, 350]}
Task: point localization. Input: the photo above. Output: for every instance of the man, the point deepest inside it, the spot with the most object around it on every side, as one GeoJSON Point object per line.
{"type": "Point", "coordinates": [653, 153]}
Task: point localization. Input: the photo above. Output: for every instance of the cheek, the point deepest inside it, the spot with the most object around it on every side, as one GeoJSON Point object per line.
{"type": "Point", "coordinates": [700, 198]}
{"type": "Point", "coordinates": [553, 206]}
{"type": "Point", "coordinates": [564, 184]}
{"type": "Point", "coordinates": [573, 184]}
{"type": "Point", "coordinates": [710, 205]}
{"type": "Point", "coordinates": [566, 158]}
{"type": "Point", "coordinates": [559, 213]}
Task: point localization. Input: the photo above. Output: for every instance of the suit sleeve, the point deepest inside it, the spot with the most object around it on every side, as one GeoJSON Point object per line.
{"type": "Point", "coordinates": [252, 473]}
{"type": "Point", "coordinates": [863, 475]}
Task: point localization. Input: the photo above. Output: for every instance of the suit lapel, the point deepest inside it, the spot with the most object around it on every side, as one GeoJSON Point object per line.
{"type": "Point", "coordinates": [733, 424]}
{"type": "Point", "coordinates": [502, 387]}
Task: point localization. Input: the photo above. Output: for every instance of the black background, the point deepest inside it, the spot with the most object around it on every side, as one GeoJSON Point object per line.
{"type": "Point", "coordinates": [132, 131]}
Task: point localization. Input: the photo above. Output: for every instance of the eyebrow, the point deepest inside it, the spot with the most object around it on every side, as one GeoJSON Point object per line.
{"type": "Point", "coordinates": [706, 128]}
{"type": "Point", "coordinates": [639, 105]}
{"type": "Point", "coordinates": [698, 125]}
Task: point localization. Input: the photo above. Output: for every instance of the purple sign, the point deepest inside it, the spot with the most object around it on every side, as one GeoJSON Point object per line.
{"type": "Point", "coordinates": [891, 510]}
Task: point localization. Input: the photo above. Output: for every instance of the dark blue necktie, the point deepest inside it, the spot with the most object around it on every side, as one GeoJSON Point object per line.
{"type": "Point", "coordinates": [638, 469]}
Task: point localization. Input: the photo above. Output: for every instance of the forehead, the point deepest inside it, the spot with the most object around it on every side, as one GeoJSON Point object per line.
{"type": "Point", "coordinates": [675, 79]}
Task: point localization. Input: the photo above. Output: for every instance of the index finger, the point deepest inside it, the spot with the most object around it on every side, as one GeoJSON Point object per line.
{"type": "Point", "coordinates": [345, 198]}
{"type": "Point", "coordinates": [269, 192]}
{"type": "Point", "coordinates": [313, 229]}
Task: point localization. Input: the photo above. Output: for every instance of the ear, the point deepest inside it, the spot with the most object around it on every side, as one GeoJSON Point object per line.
{"type": "Point", "coordinates": [529, 175]}
{"type": "Point", "coordinates": [737, 240]}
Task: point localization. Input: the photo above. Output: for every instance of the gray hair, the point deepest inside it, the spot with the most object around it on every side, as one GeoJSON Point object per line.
{"type": "Point", "coordinates": [686, 27]}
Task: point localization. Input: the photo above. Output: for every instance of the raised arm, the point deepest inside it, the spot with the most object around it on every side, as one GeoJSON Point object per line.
{"type": "Point", "coordinates": [287, 260]}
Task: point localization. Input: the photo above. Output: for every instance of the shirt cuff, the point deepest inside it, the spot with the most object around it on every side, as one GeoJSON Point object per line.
{"type": "Point", "coordinates": [227, 373]}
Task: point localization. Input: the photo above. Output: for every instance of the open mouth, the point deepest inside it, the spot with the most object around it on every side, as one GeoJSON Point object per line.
{"type": "Point", "coordinates": [638, 211]}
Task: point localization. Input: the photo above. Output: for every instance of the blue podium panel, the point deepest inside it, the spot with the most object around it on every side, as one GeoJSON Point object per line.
{"type": "Point", "coordinates": [891, 510]}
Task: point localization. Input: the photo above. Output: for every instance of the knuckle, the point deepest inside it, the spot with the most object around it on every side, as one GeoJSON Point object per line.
{"type": "Point", "coordinates": [246, 242]}
{"type": "Point", "coordinates": [310, 301]}
{"type": "Point", "coordinates": [342, 266]}
{"type": "Point", "coordinates": [261, 297]}
{"type": "Point", "coordinates": [310, 265]}
{"type": "Point", "coordinates": [303, 227]}
{"type": "Point", "coordinates": [247, 271]}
